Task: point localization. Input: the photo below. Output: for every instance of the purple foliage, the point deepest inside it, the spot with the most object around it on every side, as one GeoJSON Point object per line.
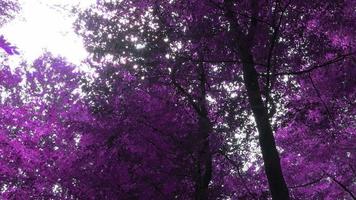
{"type": "Point", "coordinates": [7, 47]}
{"type": "Point", "coordinates": [215, 99]}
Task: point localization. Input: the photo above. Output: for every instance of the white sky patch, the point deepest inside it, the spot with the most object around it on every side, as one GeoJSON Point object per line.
{"type": "Point", "coordinates": [46, 25]}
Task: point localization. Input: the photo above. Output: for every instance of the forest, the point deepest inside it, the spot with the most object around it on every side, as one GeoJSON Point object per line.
{"type": "Point", "coordinates": [186, 100]}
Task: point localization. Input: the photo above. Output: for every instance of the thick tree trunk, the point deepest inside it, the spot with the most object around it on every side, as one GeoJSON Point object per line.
{"type": "Point", "coordinates": [205, 172]}
{"type": "Point", "coordinates": [277, 184]}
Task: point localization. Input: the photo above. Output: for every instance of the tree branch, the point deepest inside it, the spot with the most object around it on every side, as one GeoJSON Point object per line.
{"type": "Point", "coordinates": [343, 187]}
{"type": "Point", "coordinates": [274, 39]}
{"type": "Point", "coordinates": [327, 63]}
{"type": "Point", "coordinates": [219, 61]}
{"type": "Point", "coordinates": [308, 183]}
{"type": "Point", "coordinates": [322, 101]}
{"type": "Point", "coordinates": [184, 92]}
{"type": "Point", "coordinates": [233, 163]}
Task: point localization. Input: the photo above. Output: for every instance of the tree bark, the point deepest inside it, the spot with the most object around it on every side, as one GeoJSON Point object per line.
{"type": "Point", "coordinates": [205, 128]}
{"type": "Point", "coordinates": [277, 184]}
{"type": "Point", "coordinates": [242, 45]}
{"type": "Point", "coordinates": [205, 174]}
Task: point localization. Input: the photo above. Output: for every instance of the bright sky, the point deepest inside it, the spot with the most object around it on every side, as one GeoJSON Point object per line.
{"type": "Point", "coordinates": [46, 25]}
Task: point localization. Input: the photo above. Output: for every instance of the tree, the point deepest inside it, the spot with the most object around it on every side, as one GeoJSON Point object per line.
{"type": "Point", "coordinates": [37, 128]}
{"type": "Point", "coordinates": [187, 100]}
{"type": "Point", "coordinates": [261, 40]}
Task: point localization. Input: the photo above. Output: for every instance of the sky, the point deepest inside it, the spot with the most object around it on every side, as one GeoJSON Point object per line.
{"type": "Point", "coordinates": [46, 25]}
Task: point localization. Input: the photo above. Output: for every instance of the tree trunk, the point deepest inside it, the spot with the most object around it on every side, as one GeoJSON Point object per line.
{"type": "Point", "coordinates": [277, 184]}
{"type": "Point", "coordinates": [204, 157]}
{"type": "Point", "coordinates": [205, 172]}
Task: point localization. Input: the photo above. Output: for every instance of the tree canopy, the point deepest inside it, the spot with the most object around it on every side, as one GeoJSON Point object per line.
{"type": "Point", "coordinates": [215, 99]}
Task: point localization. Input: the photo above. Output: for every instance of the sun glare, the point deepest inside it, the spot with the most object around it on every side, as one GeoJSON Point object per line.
{"type": "Point", "coordinates": [46, 25]}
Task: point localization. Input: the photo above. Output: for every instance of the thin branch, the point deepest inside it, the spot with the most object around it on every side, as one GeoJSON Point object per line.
{"type": "Point", "coordinates": [211, 61]}
{"type": "Point", "coordinates": [274, 39]}
{"type": "Point", "coordinates": [308, 183]}
{"type": "Point", "coordinates": [343, 187]}
{"type": "Point", "coordinates": [255, 18]}
{"type": "Point", "coordinates": [327, 63]}
{"type": "Point", "coordinates": [233, 163]}
{"type": "Point", "coordinates": [219, 61]}
{"type": "Point", "coordinates": [184, 92]}
{"type": "Point", "coordinates": [322, 101]}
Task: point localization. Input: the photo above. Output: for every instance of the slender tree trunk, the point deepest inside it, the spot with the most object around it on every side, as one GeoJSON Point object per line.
{"type": "Point", "coordinates": [204, 161]}
{"type": "Point", "coordinates": [204, 168]}
{"type": "Point", "coordinates": [205, 128]}
{"type": "Point", "coordinates": [277, 184]}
